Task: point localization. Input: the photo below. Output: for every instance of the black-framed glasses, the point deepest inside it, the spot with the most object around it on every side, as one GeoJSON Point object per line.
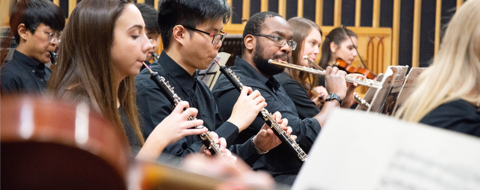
{"type": "Point", "coordinates": [52, 36]}
{"type": "Point", "coordinates": [217, 38]}
{"type": "Point", "coordinates": [279, 41]}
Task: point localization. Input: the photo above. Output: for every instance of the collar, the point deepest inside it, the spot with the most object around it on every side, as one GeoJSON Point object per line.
{"type": "Point", "coordinates": [181, 77]}
{"type": "Point", "coordinates": [243, 65]}
{"type": "Point", "coordinates": [30, 63]}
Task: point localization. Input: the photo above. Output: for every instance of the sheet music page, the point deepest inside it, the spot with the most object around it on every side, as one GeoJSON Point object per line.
{"type": "Point", "coordinates": [380, 94]}
{"type": "Point", "coordinates": [377, 152]}
{"type": "Point", "coordinates": [408, 87]}
{"type": "Point", "coordinates": [391, 99]}
{"type": "Point", "coordinates": [206, 74]}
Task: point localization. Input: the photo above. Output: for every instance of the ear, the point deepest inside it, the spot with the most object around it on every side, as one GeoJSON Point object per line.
{"type": "Point", "coordinates": [333, 47]}
{"type": "Point", "coordinates": [249, 42]}
{"type": "Point", "coordinates": [180, 34]}
{"type": "Point", "coordinates": [22, 31]}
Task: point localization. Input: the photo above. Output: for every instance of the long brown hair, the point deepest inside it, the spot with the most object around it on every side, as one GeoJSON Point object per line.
{"type": "Point", "coordinates": [85, 71]}
{"type": "Point", "coordinates": [337, 36]}
{"type": "Point", "coordinates": [301, 28]}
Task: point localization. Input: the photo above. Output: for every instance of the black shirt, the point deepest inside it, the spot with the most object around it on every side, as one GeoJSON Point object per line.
{"type": "Point", "coordinates": [458, 115]}
{"type": "Point", "coordinates": [24, 74]}
{"type": "Point", "coordinates": [306, 108]}
{"type": "Point", "coordinates": [279, 161]}
{"type": "Point", "coordinates": [154, 107]}
{"type": "Point", "coordinates": [131, 136]}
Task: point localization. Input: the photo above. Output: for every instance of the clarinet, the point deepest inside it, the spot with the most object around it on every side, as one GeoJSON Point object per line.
{"type": "Point", "coordinates": [267, 116]}
{"type": "Point", "coordinates": [174, 99]}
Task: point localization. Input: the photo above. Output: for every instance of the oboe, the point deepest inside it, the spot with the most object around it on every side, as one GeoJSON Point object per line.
{"type": "Point", "coordinates": [174, 100]}
{"type": "Point", "coordinates": [267, 116]}
{"type": "Point", "coordinates": [155, 56]}
{"type": "Point", "coordinates": [349, 78]}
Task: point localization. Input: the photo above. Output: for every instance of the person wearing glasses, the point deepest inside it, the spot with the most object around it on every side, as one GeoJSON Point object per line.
{"type": "Point", "coordinates": [37, 26]}
{"type": "Point", "coordinates": [191, 32]}
{"type": "Point", "coordinates": [268, 35]}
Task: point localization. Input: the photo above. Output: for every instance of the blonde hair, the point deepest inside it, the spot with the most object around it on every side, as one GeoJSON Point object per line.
{"type": "Point", "coordinates": [455, 71]}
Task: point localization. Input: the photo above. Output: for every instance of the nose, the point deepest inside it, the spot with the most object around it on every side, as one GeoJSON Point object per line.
{"type": "Point", "coordinates": [286, 48]}
{"type": "Point", "coordinates": [219, 45]}
{"type": "Point", "coordinates": [316, 51]}
{"type": "Point", "coordinates": [147, 46]}
{"type": "Point", "coordinates": [354, 52]}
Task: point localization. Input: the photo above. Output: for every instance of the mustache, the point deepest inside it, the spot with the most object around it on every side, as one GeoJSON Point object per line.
{"type": "Point", "coordinates": [283, 56]}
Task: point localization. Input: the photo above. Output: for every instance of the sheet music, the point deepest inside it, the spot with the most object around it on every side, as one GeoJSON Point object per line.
{"type": "Point", "coordinates": [376, 152]}
{"type": "Point", "coordinates": [408, 87]}
{"type": "Point", "coordinates": [391, 99]}
{"type": "Point", "coordinates": [380, 97]}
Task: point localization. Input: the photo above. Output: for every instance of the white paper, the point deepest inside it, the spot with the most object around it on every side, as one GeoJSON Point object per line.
{"type": "Point", "coordinates": [376, 152]}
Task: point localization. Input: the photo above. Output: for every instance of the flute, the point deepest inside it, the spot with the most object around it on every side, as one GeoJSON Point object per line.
{"type": "Point", "coordinates": [349, 78]}
{"type": "Point", "coordinates": [267, 116]}
{"type": "Point", "coordinates": [174, 99]}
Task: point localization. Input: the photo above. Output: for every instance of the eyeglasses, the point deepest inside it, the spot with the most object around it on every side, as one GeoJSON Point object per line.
{"type": "Point", "coordinates": [52, 36]}
{"type": "Point", "coordinates": [279, 41]}
{"type": "Point", "coordinates": [217, 38]}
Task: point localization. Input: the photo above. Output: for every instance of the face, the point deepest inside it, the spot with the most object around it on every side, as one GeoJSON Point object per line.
{"type": "Point", "coordinates": [346, 50]}
{"type": "Point", "coordinates": [130, 43]}
{"type": "Point", "coordinates": [266, 49]}
{"type": "Point", "coordinates": [153, 38]}
{"type": "Point", "coordinates": [199, 50]}
{"type": "Point", "coordinates": [311, 47]}
{"type": "Point", "coordinates": [37, 44]}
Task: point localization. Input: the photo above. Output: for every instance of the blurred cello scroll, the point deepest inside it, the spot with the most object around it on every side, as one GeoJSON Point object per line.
{"type": "Point", "coordinates": [50, 144]}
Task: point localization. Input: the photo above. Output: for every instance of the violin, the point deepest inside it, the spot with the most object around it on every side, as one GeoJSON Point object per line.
{"type": "Point", "coordinates": [341, 64]}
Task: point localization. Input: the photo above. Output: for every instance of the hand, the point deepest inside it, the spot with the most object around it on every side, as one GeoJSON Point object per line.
{"type": "Point", "coordinates": [320, 98]}
{"type": "Point", "coordinates": [335, 81]}
{"type": "Point", "coordinates": [171, 129]}
{"type": "Point", "coordinates": [266, 139]}
{"type": "Point", "coordinates": [246, 108]}
{"type": "Point", "coordinates": [349, 100]}
{"type": "Point", "coordinates": [239, 176]}
{"type": "Point", "coordinates": [221, 143]}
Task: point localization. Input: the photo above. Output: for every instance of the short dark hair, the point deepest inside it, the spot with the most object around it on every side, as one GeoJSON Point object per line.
{"type": "Point", "coordinates": [149, 15]}
{"type": "Point", "coordinates": [255, 24]}
{"type": "Point", "coordinates": [189, 13]}
{"type": "Point", "coordinates": [34, 12]}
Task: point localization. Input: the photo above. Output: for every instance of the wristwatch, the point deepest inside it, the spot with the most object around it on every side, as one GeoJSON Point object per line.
{"type": "Point", "coordinates": [333, 96]}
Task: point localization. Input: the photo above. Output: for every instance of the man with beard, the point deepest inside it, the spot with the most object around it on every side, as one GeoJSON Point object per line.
{"type": "Point", "coordinates": [267, 35]}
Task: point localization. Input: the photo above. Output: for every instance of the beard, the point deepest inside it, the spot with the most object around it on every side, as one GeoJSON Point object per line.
{"type": "Point", "coordinates": [263, 65]}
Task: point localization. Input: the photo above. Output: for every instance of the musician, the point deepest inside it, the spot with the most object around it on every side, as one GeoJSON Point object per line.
{"type": "Point", "coordinates": [337, 44]}
{"type": "Point", "coordinates": [268, 35]}
{"type": "Point", "coordinates": [191, 32]}
{"type": "Point", "coordinates": [98, 68]}
{"type": "Point", "coordinates": [447, 94]}
{"type": "Point", "coordinates": [37, 26]}
{"type": "Point", "coordinates": [149, 15]}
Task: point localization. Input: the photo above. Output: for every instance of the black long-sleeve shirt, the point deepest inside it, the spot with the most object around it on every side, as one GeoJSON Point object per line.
{"type": "Point", "coordinates": [279, 161]}
{"type": "Point", "coordinates": [24, 74]}
{"type": "Point", "coordinates": [306, 108]}
{"type": "Point", "coordinates": [457, 115]}
{"type": "Point", "coordinates": [154, 107]}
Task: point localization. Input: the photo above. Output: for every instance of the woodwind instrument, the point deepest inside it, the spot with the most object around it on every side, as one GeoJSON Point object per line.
{"type": "Point", "coordinates": [267, 116]}
{"type": "Point", "coordinates": [174, 100]}
{"type": "Point", "coordinates": [313, 64]}
{"type": "Point", "coordinates": [349, 78]}
{"type": "Point", "coordinates": [361, 101]}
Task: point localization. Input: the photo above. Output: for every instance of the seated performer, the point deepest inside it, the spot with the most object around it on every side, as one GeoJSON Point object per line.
{"type": "Point", "coordinates": [149, 15]}
{"type": "Point", "coordinates": [37, 26]}
{"type": "Point", "coordinates": [268, 36]}
{"type": "Point", "coordinates": [300, 86]}
{"type": "Point", "coordinates": [191, 32]}
{"type": "Point", "coordinates": [447, 93]}
{"type": "Point", "coordinates": [98, 68]}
